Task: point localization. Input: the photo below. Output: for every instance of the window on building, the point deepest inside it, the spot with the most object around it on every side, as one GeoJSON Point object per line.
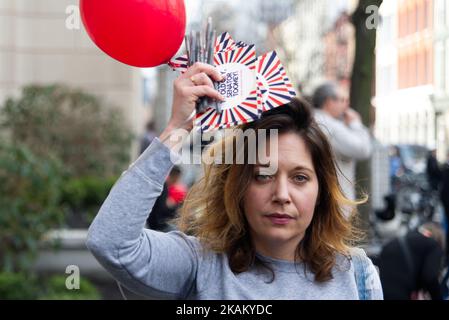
{"type": "Point", "coordinates": [440, 65]}
{"type": "Point", "coordinates": [430, 65]}
{"type": "Point", "coordinates": [415, 69]}
{"type": "Point", "coordinates": [408, 71]}
{"type": "Point", "coordinates": [441, 12]}
{"type": "Point", "coordinates": [405, 71]}
{"type": "Point", "coordinates": [421, 69]}
{"type": "Point", "coordinates": [411, 18]}
{"type": "Point", "coordinates": [423, 14]}
{"type": "Point", "coordinates": [387, 79]}
{"type": "Point", "coordinates": [428, 14]}
{"type": "Point", "coordinates": [446, 13]}
{"type": "Point", "coordinates": [426, 71]}
{"type": "Point", "coordinates": [403, 19]}
{"type": "Point", "coordinates": [386, 31]}
{"type": "Point", "coordinates": [415, 18]}
{"type": "Point", "coordinates": [418, 14]}
{"type": "Point", "coordinates": [446, 67]}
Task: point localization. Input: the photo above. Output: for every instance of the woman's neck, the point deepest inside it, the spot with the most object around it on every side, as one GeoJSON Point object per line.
{"type": "Point", "coordinates": [277, 251]}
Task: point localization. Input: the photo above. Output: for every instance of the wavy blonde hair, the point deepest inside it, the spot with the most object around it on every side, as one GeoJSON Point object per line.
{"type": "Point", "coordinates": [213, 208]}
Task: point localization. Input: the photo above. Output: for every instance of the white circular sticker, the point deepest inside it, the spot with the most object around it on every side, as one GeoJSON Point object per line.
{"type": "Point", "coordinates": [238, 83]}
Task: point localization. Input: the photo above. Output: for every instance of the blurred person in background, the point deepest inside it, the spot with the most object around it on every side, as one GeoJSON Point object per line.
{"type": "Point", "coordinates": [349, 138]}
{"type": "Point", "coordinates": [396, 167]}
{"type": "Point", "coordinates": [161, 213]}
{"type": "Point", "coordinates": [177, 191]}
{"type": "Point", "coordinates": [412, 264]}
{"type": "Point", "coordinates": [433, 170]}
{"type": "Point", "coordinates": [148, 136]}
{"type": "Point", "coordinates": [170, 200]}
{"type": "Point", "coordinates": [444, 196]}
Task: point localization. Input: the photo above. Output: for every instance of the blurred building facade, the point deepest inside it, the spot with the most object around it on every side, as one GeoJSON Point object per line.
{"type": "Point", "coordinates": [300, 49]}
{"type": "Point", "coordinates": [257, 20]}
{"type": "Point", "coordinates": [308, 38]}
{"type": "Point", "coordinates": [405, 64]}
{"type": "Point", "coordinates": [339, 51]}
{"type": "Point", "coordinates": [36, 47]}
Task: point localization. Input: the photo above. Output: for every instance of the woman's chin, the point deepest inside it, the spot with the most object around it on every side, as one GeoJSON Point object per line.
{"type": "Point", "coordinates": [279, 236]}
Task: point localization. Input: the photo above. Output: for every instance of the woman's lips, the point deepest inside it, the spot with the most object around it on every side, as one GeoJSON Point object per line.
{"type": "Point", "coordinates": [279, 219]}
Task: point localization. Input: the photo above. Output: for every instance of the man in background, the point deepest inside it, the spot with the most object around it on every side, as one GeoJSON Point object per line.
{"type": "Point", "coordinates": [349, 138]}
{"type": "Point", "coordinates": [433, 170]}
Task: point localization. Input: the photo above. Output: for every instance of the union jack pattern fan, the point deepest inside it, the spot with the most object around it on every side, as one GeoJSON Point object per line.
{"type": "Point", "coordinates": [243, 111]}
{"type": "Point", "coordinates": [252, 84]}
{"type": "Point", "coordinates": [274, 86]}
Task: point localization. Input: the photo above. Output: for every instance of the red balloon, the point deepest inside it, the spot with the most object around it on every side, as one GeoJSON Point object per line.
{"type": "Point", "coordinates": [140, 33]}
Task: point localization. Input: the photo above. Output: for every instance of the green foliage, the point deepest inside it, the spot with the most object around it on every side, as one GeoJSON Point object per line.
{"type": "Point", "coordinates": [86, 192]}
{"type": "Point", "coordinates": [17, 286]}
{"type": "Point", "coordinates": [57, 290]}
{"type": "Point", "coordinates": [47, 126]}
{"type": "Point", "coordinates": [82, 198]}
{"type": "Point", "coordinates": [88, 137]}
{"type": "Point", "coordinates": [29, 204]}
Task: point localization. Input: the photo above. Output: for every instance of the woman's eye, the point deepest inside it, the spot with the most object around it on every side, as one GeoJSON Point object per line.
{"type": "Point", "coordinates": [262, 177]}
{"type": "Point", "coordinates": [300, 178]}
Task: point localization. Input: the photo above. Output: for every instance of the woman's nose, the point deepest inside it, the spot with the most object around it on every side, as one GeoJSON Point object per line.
{"type": "Point", "coordinates": [280, 191]}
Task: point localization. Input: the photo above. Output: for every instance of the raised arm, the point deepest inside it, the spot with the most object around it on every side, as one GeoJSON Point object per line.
{"type": "Point", "coordinates": [150, 262]}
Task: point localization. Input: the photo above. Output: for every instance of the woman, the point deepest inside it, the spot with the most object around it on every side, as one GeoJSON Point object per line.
{"type": "Point", "coordinates": [252, 234]}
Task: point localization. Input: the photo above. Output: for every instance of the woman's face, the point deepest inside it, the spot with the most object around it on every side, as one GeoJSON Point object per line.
{"type": "Point", "coordinates": [279, 207]}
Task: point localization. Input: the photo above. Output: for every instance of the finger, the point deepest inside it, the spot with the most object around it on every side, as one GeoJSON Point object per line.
{"type": "Point", "coordinates": [201, 91]}
{"type": "Point", "coordinates": [209, 70]}
{"type": "Point", "coordinates": [200, 79]}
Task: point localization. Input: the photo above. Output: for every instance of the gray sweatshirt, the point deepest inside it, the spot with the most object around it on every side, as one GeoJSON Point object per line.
{"type": "Point", "coordinates": [175, 266]}
{"type": "Point", "coordinates": [350, 144]}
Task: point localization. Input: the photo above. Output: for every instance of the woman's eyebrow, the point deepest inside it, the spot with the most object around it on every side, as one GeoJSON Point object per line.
{"type": "Point", "coordinates": [303, 168]}
{"type": "Point", "coordinates": [300, 167]}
